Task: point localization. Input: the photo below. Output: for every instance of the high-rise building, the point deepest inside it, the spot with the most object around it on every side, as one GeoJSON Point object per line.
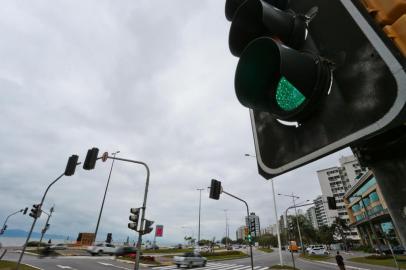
{"type": "Point", "coordinates": [240, 232]}
{"type": "Point", "coordinates": [271, 229]}
{"type": "Point", "coordinates": [253, 217]}
{"type": "Point", "coordinates": [335, 182]}
{"type": "Point", "coordinates": [324, 216]}
{"type": "Point", "coordinates": [311, 216]}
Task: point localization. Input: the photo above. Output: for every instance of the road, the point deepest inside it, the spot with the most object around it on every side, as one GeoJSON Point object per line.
{"type": "Point", "coordinates": [262, 261]}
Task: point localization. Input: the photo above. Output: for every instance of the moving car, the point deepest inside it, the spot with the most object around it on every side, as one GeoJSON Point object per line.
{"type": "Point", "coordinates": [189, 260]}
{"type": "Point", "coordinates": [58, 247]}
{"type": "Point", "coordinates": [126, 251]}
{"type": "Point", "coordinates": [318, 250]}
{"type": "Point", "coordinates": [103, 248]}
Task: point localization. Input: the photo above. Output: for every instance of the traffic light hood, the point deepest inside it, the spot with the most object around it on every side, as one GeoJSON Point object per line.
{"type": "Point", "coordinates": [256, 18]}
{"type": "Point", "coordinates": [232, 6]}
{"type": "Point", "coordinates": [277, 79]}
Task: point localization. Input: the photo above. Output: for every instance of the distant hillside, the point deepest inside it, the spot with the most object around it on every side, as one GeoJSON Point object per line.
{"type": "Point", "coordinates": [21, 233]}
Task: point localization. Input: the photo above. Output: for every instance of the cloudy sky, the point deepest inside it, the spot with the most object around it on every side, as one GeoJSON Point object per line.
{"type": "Point", "coordinates": [151, 78]}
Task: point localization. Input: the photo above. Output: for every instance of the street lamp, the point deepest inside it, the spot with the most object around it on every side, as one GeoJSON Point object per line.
{"type": "Point", "coordinates": [200, 207]}
{"type": "Point", "coordinates": [294, 197]}
{"type": "Point", "coordinates": [276, 216]}
{"type": "Point", "coordinates": [227, 233]}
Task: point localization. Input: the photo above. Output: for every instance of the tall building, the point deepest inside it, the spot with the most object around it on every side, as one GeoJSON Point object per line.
{"type": "Point", "coordinates": [271, 229]}
{"type": "Point", "coordinates": [311, 216]}
{"type": "Point", "coordinates": [335, 182]}
{"type": "Point", "coordinates": [371, 215]}
{"type": "Point", "coordinates": [240, 232]}
{"type": "Point", "coordinates": [254, 217]}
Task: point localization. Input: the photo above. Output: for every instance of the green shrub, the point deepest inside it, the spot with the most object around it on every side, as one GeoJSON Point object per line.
{"type": "Point", "coordinates": [378, 257]}
{"type": "Point", "coordinates": [35, 244]}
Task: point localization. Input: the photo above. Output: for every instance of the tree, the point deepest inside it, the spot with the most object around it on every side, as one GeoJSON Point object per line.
{"type": "Point", "coordinates": [226, 240]}
{"type": "Point", "coordinates": [267, 240]}
{"type": "Point", "coordinates": [325, 235]}
{"type": "Point", "coordinates": [341, 230]}
{"type": "Point", "coordinates": [308, 233]}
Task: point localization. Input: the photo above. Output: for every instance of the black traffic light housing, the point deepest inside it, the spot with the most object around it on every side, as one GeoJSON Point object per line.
{"type": "Point", "coordinates": [148, 226]}
{"type": "Point", "coordinates": [35, 211]}
{"type": "Point", "coordinates": [90, 160]}
{"type": "Point", "coordinates": [215, 189]}
{"type": "Point", "coordinates": [331, 202]}
{"type": "Point", "coordinates": [352, 88]}
{"type": "Point", "coordinates": [135, 217]}
{"type": "Point", "coordinates": [252, 227]}
{"type": "Point", "coordinates": [25, 210]}
{"type": "Point", "coordinates": [71, 165]}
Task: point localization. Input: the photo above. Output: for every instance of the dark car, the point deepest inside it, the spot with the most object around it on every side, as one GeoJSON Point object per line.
{"type": "Point", "coordinates": [126, 251]}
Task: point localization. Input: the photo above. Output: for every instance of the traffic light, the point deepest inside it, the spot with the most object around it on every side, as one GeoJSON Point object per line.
{"type": "Point", "coordinates": [252, 227]}
{"type": "Point", "coordinates": [90, 160]}
{"type": "Point", "coordinates": [148, 226]}
{"type": "Point", "coordinates": [71, 166]}
{"type": "Point", "coordinates": [246, 232]}
{"type": "Point", "coordinates": [215, 189]}
{"type": "Point", "coordinates": [316, 75]}
{"type": "Point", "coordinates": [46, 228]}
{"type": "Point", "coordinates": [109, 238]}
{"type": "Point", "coordinates": [3, 229]}
{"type": "Point", "coordinates": [249, 238]}
{"type": "Point", "coordinates": [331, 201]}
{"type": "Point", "coordinates": [25, 210]}
{"type": "Point", "coordinates": [35, 211]}
{"type": "Point", "coordinates": [135, 217]}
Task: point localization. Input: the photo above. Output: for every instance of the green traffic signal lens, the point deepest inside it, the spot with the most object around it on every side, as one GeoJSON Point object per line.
{"type": "Point", "coordinates": [288, 97]}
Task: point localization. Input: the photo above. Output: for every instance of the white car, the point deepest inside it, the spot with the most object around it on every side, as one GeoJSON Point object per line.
{"type": "Point", "coordinates": [317, 250]}
{"type": "Point", "coordinates": [189, 260]}
{"type": "Point", "coordinates": [101, 249]}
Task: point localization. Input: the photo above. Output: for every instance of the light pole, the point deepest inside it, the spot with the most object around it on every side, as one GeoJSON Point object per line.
{"type": "Point", "coordinates": [276, 217]}
{"type": "Point", "coordinates": [225, 212]}
{"type": "Point", "coordinates": [294, 197]}
{"type": "Point", "coordinates": [44, 230]}
{"type": "Point", "coordinates": [200, 207]}
{"type": "Point", "coordinates": [104, 197]}
{"type": "Point", "coordinates": [5, 222]}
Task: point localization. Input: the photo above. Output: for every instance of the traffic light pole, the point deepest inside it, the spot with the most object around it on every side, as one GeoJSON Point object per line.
{"type": "Point", "coordinates": [35, 220]}
{"type": "Point", "coordinates": [5, 222]}
{"type": "Point", "coordinates": [248, 213]}
{"type": "Point", "coordinates": [46, 225]}
{"type": "Point", "coordinates": [144, 205]}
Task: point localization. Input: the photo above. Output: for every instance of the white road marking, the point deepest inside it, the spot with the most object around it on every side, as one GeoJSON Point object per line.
{"type": "Point", "coordinates": [65, 267]}
{"type": "Point", "coordinates": [115, 266]}
{"type": "Point", "coordinates": [346, 266]}
{"type": "Point", "coordinates": [217, 266]}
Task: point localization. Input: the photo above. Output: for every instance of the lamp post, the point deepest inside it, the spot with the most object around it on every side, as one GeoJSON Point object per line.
{"type": "Point", "coordinates": [276, 217]}
{"type": "Point", "coordinates": [104, 197]}
{"type": "Point", "coordinates": [200, 207]}
{"type": "Point", "coordinates": [5, 222]}
{"type": "Point", "coordinates": [44, 230]}
{"type": "Point", "coordinates": [225, 212]}
{"type": "Point", "coordinates": [294, 197]}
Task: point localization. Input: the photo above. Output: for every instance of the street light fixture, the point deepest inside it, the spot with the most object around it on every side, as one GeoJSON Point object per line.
{"type": "Point", "coordinates": [276, 216]}
{"type": "Point", "coordinates": [200, 207]}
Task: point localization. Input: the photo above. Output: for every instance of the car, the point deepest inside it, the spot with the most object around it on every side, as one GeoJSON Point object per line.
{"type": "Point", "coordinates": [126, 251]}
{"type": "Point", "coordinates": [310, 247]}
{"type": "Point", "coordinates": [318, 250]}
{"type": "Point", "coordinates": [58, 247]}
{"type": "Point", "coordinates": [100, 249]}
{"type": "Point", "coordinates": [386, 250]}
{"type": "Point", "coordinates": [189, 259]}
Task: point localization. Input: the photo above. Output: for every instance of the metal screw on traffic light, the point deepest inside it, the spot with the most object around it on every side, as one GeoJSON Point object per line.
{"type": "Point", "coordinates": [90, 160]}
{"type": "Point", "coordinates": [71, 165]}
{"type": "Point", "coordinates": [35, 211]}
{"type": "Point", "coordinates": [25, 211]}
{"type": "Point", "coordinates": [134, 218]}
{"type": "Point", "coordinates": [148, 226]}
{"type": "Point", "coordinates": [215, 189]}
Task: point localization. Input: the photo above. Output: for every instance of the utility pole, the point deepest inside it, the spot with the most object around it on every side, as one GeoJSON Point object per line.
{"type": "Point", "coordinates": [44, 230]}
{"type": "Point", "coordinates": [225, 212]}
{"type": "Point", "coordinates": [200, 207]}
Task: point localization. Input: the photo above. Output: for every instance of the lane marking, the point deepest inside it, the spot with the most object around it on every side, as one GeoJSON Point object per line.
{"type": "Point", "coordinates": [115, 266]}
{"type": "Point", "coordinates": [65, 267]}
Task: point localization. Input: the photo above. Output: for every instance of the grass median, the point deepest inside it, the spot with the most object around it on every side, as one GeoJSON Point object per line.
{"type": "Point", "coordinates": [7, 265]}
{"type": "Point", "coordinates": [381, 260]}
{"type": "Point", "coordinates": [268, 250]}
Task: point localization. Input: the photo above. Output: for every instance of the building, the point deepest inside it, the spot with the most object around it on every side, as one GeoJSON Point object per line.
{"type": "Point", "coordinates": [271, 229]}
{"type": "Point", "coordinates": [324, 216]}
{"type": "Point", "coordinates": [371, 210]}
{"type": "Point", "coordinates": [253, 218]}
{"type": "Point", "coordinates": [335, 182]}
{"type": "Point", "coordinates": [240, 233]}
{"type": "Point", "coordinates": [311, 216]}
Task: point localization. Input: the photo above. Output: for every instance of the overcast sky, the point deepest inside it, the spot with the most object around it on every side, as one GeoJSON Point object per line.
{"type": "Point", "coordinates": [151, 78]}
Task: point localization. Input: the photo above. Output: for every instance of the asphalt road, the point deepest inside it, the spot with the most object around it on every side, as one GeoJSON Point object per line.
{"type": "Point", "coordinates": [262, 261]}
